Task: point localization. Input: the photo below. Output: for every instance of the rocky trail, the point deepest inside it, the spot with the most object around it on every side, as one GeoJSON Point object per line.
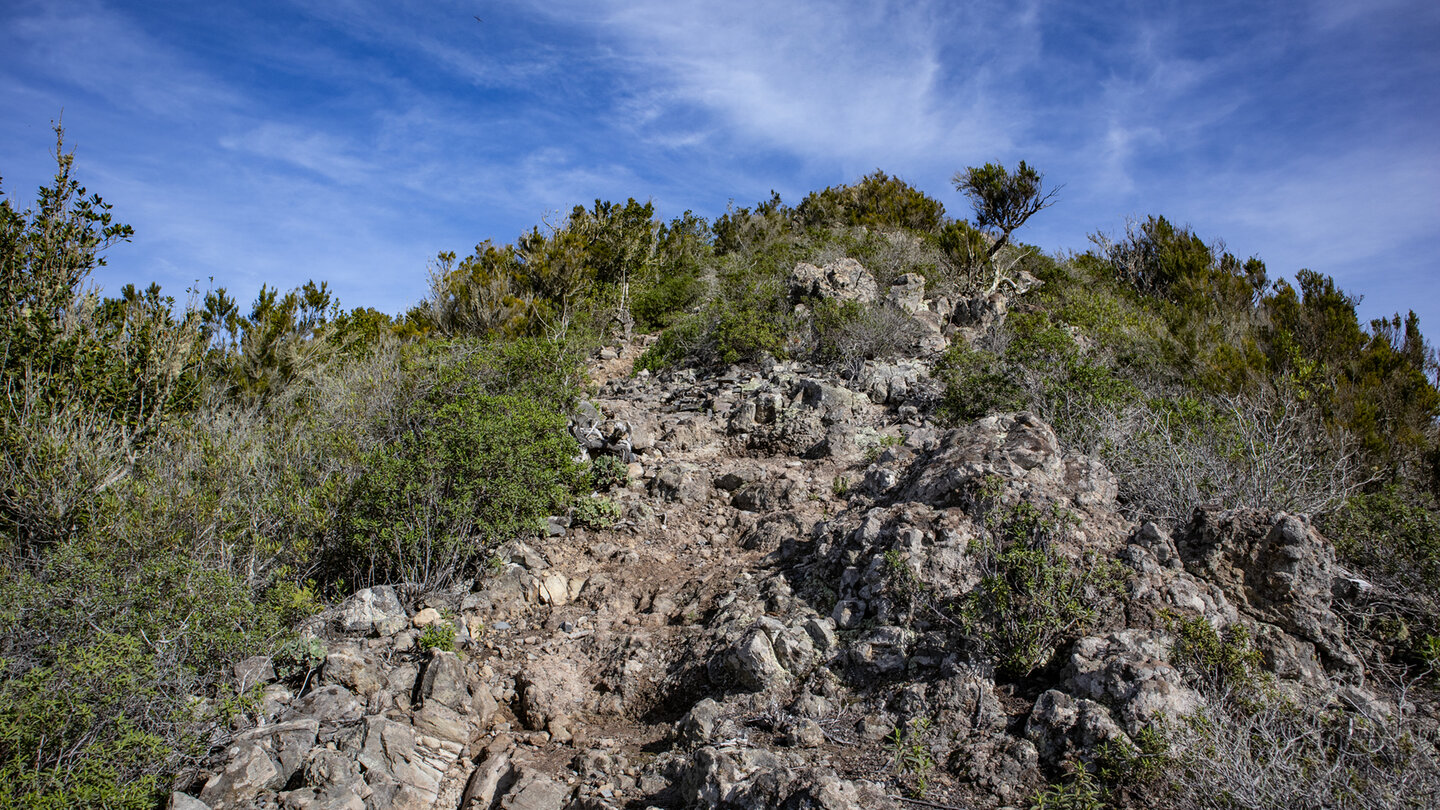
{"type": "Point", "coordinates": [771, 620]}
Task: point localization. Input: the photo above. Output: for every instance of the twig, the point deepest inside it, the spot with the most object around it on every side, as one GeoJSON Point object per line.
{"type": "Point", "coordinates": [923, 803]}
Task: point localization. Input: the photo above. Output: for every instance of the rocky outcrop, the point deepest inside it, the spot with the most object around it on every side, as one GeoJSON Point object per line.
{"type": "Point", "coordinates": [774, 619]}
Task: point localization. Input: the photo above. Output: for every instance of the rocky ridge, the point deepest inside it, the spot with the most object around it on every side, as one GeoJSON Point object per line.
{"type": "Point", "coordinates": [767, 623]}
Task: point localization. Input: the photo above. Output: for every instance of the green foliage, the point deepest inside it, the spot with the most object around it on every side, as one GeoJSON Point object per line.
{"type": "Point", "coordinates": [1393, 537]}
{"type": "Point", "coordinates": [1144, 760]}
{"type": "Point", "coordinates": [438, 636]}
{"type": "Point", "coordinates": [1030, 598]}
{"type": "Point", "coordinates": [298, 659]}
{"type": "Point", "coordinates": [910, 755]}
{"type": "Point", "coordinates": [607, 473]}
{"type": "Point", "coordinates": [1004, 201]}
{"type": "Point", "coordinates": [1222, 662]}
{"type": "Point", "coordinates": [595, 513]}
{"type": "Point", "coordinates": [1080, 793]}
{"type": "Point", "coordinates": [976, 384]}
{"type": "Point", "coordinates": [473, 467]}
{"type": "Point", "coordinates": [876, 201]}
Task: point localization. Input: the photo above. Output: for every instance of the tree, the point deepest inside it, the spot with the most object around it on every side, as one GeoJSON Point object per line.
{"type": "Point", "coordinates": [1004, 201]}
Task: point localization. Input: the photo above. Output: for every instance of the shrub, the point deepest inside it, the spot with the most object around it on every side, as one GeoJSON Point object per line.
{"type": "Point", "coordinates": [976, 383]}
{"type": "Point", "coordinates": [298, 659]}
{"type": "Point", "coordinates": [1220, 662]}
{"type": "Point", "coordinates": [877, 200]}
{"type": "Point", "coordinates": [910, 754]}
{"type": "Point", "coordinates": [595, 513]}
{"type": "Point", "coordinates": [607, 473]}
{"type": "Point", "coordinates": [1392, 538]}
{"type": "Point", "coordinates": [480, 454]}
{"type": "Point", "coordinates": [847, 333]}
{"type": "Point", "coordinates": [438, 636]}
{"type": "Point", "coordinates": [1080, 793]}
{"type": "Point", "coordinates": [1030, 598]}
{"type": "Point", "coordinates": [1283, 753]}
{"type": "Point", "coordinates": [1270, 451]}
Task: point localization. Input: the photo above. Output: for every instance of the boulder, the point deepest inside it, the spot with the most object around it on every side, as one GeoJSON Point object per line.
{"type": "Point", "coordinates": [843, 280]}
{"type": "Point", "coordinates": [369, 609]}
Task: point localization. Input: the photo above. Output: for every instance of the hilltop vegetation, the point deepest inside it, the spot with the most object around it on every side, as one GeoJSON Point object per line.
{"type": "Point", "coordinates": [183, 481]}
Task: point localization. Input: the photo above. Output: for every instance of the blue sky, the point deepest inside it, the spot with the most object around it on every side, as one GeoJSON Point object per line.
{"type": "Point", "coordinates": [351, 140]}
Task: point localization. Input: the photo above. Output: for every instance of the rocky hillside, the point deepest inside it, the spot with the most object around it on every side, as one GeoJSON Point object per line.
{"type": "Point", "coordinates": [809, 593]}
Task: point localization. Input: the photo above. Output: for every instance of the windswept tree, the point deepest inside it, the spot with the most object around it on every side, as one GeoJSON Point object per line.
{"type": "Point", "coordinates": [1004, 201]}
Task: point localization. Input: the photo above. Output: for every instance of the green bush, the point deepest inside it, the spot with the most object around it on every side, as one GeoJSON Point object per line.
{"type": "Point", "coordinates": [595, 513]}
{"type": "Point", "coordinates": [876, 201]}
{"type": "Point", "coordinates": [1080, 793]}
{"type": "Point", "coordinates": [298, 659]}
{"type": "Point", "coordinates": [977, 383]}
{"type": "Point", "coordinates": [1221, 662]}
{"type": "Point", "coordinates": [438, 636]}
{"type": "Point", "coordinates": [1030, 598]}
{"type": "Point", "coordinates": [477, 469]}
{"type": "Point", "coordinates": [607, 473]}
{"type": "Point", "coordinates": [1392, 538]}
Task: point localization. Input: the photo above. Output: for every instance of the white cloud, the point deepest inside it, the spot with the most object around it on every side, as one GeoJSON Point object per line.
{"type": "Point", "coordinates": [861, 84]}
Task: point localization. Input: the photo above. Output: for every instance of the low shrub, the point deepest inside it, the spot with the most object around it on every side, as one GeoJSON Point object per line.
{"type": "Point", "coordinates": [1030, 597]}
{"type": "Point", "coordinates": [438, 636]}
{"type": "Point", "coordinates": [595, 513]}
{"type": "Point", "coordinates": [298, 659]}
{"type": "Point", "coordinates": [607, 473]}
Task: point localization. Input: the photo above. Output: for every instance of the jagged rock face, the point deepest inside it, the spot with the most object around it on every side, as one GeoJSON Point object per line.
{"type": "Point", "coordinates": [845, 280]}
{"type": "Point", "coordinates": [738, 638]}
{"type": "Point", "coordinates": [1279, 570]}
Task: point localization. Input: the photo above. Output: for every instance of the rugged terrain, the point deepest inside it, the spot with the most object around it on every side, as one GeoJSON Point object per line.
{"type": "Point", "coordinates": [789, 609]}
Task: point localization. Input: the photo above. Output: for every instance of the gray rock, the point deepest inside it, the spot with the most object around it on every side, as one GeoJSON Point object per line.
{"type": "Point", "coordinates": [805, 733]}
{"type": "Point", "coordinates": [1127, 670]}
{"type": "Point", "coordinates": [182, 801]}
{"type": "Point", "coordinates": [882, 652]}
{"type": "Point", "coordinates": [754, 663]}
{"type": "Point", "coordinates": [845, 280]}
{"type": "Point", "coordinates": [444, 680]}
{"type": "Point", "coordinates": [908, 293]}
{"type": "Point", "coordinates": [356, 670]}
{"type": "Point", "coordinates": [534, 790]}
{"type": "Point", "coordinates": [1061, 725]}
{"type": "Point", "coordinates": [698, 726]}
{"type": "Point", "coordinates": [248, 771]}
{"type": "Point", "coordinates": [1277, 568]}
{"type": "Point", "coordinates": [332, 705]}
{"type": "Point", "coordinates": [848, 613]}
{"type": "Point", "coordinates": [364, 611]}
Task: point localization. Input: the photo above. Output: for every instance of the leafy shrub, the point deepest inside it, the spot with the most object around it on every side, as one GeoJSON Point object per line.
{"type": "Point", "coordinates": [298, 659]}
{"type": "Point", "coordinates": [1392, 538]}
{"type": "Point", "coordinates": [910, 754]}
{"type": "Point", "coordinates": [477, 453]}
{"type": "Point", "coordinates": [877, 200]}
{"type": "Point", "coordinates": [438, 636]}
{"type": "Point", "coordinates": [1221, 662]}
{"type": "Point", "coordinates": [1080, 793]}
{"type": "Point", "coordinates": [607, 473]}
{"type": "Point", "coordinates": [976, 383]}
{"type": "Point", "coordinates": [1030, 598]}
{"type": "Point", "coordinates": [595, 513]}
